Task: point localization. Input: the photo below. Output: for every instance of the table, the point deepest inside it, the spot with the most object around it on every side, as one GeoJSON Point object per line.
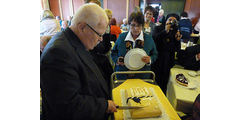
{"type": "Point", "coordinates": [180, 97]}
{"type": "Point", "coordinates": [140, 83]}
{"type": "Point", "coordinates": [195, 35]}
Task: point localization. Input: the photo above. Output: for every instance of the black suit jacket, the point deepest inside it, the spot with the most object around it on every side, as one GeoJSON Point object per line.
{"type": "Point", "coordinates": [187, 58]}
{"type": "Point", "coordinates": [72, 85]}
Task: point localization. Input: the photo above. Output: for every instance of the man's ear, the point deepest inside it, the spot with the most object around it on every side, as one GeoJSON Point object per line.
{"type": "Point", "coordinates": [81, 26]}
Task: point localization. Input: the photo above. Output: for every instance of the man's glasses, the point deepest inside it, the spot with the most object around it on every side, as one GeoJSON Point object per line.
{"type": "Point", "coordinates": [94, 31]}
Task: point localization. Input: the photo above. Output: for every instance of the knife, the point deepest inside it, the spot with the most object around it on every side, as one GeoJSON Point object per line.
{"type": "Point", "coordinates": [129, 107]}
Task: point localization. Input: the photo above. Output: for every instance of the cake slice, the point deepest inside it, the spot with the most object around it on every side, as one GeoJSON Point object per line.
{"type": "Point", "coordinates": [142, 97]}
{"type": "Point", "coordinates": [181, 79]}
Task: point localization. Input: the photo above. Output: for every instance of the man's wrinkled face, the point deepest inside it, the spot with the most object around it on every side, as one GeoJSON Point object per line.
{"type": "Point", "coordinates": [94, 34]}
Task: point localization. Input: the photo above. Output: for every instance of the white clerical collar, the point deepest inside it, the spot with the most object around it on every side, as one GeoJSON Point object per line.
{"type": "Point", "coordinates": [130, 38]}
{"type": "Point", "coordinates": [184, 18]}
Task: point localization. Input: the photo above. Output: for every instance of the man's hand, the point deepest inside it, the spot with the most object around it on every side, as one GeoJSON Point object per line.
{"type": "Point", "coordinates": [120, 60]}
{"type": "Point", "coordinates": [198, 56]}
{"type": "Point", "coordinates": [178, 36]}
{"type": "Point", "coordinates": [146, 59]}
{"type": "Point", "coordinates": [111, 107]}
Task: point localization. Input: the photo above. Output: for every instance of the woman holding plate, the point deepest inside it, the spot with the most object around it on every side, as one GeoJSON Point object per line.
{"type": "Point", "coordinates": [138, 40]}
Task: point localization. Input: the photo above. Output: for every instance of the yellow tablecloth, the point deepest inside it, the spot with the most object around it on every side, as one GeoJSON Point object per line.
{"type": "Point", "coordinates": [140, 83]}
{"type": "Point", "coordinates": [181, 97]}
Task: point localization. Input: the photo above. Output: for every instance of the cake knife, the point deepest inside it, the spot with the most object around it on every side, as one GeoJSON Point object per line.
{"type": "Point", "coordinates": [128, 107]}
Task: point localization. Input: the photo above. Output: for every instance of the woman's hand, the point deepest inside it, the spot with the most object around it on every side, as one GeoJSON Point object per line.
{"type": "Point", "coordinates": [120, 60]}
{"type": "Point", "coordinates": [146, 59]}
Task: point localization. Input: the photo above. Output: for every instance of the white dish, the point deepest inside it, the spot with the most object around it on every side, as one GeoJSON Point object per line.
{"type": "Point", "coordinates": [133, 59]}
{"type": "Point", "coordinates": [192, 73]}
{"type": "Point", "coordinates": [191, 84]}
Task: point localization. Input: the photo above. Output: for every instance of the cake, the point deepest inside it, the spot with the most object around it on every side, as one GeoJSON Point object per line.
{"type": "Point", "coordinates": [180, 79]}
{"type": "Point", "coordinates": [142, 97]}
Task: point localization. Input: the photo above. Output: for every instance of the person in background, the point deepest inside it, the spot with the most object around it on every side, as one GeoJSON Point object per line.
{"type": "Point", "coordinates": [115, 30]}
{"type": "Point", "coordinates": [43, 42]}
{"type": "Point", "coordinates": [197, 27]}
{"type": "Point", "coordinates": [190, 58]}
{"type": "Point", "coordinates": [59, 20]}
{"type": "Point", "coordinates": [69, 20]}
{"type": "Point", "coordinates": [173, 15]}
{"type": "Point", "coordinates": [135, 38]}
{"type": "Point", "coordinates": [49, 26]}
{"type": "Point", "coordinates": [148, 24]}
{"type": "Point", "coordinates": [125, 26]}
{"type": "Point", "coordinates": [161, 17]}
{"type": "Point", "coordinates": [93, 1]}
{"type": "Point", "coordinates": [72, 85]}
{"type": "Point", "coordinates": [155, 14]}
{"type": "Point", "coordinates": [137, 9]}
{"type": "Point", "coordinates": [196, 30]}
{"type": "Point", "coordinates": [64, 25]}
{"type": "Point", "coordinates": [167, 42]}
{"type": "Point", "coordinates": [105, 46]}
{"type": "Point", "coordinates": [185, 26]}
{"type": "Point", "coordinates": [109, 14]}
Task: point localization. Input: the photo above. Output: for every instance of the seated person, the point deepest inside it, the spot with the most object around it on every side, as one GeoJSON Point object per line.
{"type": "Point", "coordinates": [48, 25]}
{"type": "Point", "coordinates": [64, 25]}
{"type": "Point", "coordinates": [161, 17]}
{"type": "Point", "coordinates": [69, 21]}
{"type": "Point", "coordinates": [129, 40]}
{"type": "Point", "coordinates": [115, 30]}
{"type": "Point", "coordinates": [125, 26]}
{"type": "Point", "coordinates": [197, 27]}
{"type": "Point", "coordinates": [59, 20]}
{"type": "Point", "coordinates": [43, 42]}
{"type": "Point", "coordinates": [185, 26]}
{"type": "Point", "coordinates": [190, 58]}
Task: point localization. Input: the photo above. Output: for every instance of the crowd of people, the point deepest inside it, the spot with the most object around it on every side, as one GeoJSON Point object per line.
{"type": "Point", "coordinates": [77, 57]}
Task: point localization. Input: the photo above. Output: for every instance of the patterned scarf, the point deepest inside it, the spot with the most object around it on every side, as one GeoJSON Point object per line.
{"type": "Point", "coordinates": [129, 45]}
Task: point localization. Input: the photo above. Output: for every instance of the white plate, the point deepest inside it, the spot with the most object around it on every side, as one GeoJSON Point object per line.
{"type": "Point", "coordinates": [191, 83]}
{"type": "Point", "coordinates": [192, 73]}
{"type": "Point", "coordinates": [133, 59]}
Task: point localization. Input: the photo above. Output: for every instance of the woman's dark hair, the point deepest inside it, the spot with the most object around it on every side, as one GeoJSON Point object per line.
{"type": "Point", "coordinates": [113, 21]}
{"type": "Point", "coordinates": [137, 17]}
{"type": "Point", "coordinates": [149, 8]}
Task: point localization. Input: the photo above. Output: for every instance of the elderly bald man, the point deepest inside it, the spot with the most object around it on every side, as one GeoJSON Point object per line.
{"type": "Point", "coordinates": [73, 87]}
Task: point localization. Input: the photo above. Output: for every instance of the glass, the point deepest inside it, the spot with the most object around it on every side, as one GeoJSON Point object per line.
{"type": "Point", "coordinates": [100, 35]}
{"type": "Point", "coordinates": [135, 25]}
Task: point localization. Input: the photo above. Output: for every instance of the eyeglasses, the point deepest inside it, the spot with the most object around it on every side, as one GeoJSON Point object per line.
{"type": "Point", "coordinates": [94, 31]}
{"type": "Point", "coordinates": [135, 25]}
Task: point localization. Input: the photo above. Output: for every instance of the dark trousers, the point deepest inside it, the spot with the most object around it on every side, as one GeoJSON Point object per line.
{"type": "Point", "coordinates": [162, 68]}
